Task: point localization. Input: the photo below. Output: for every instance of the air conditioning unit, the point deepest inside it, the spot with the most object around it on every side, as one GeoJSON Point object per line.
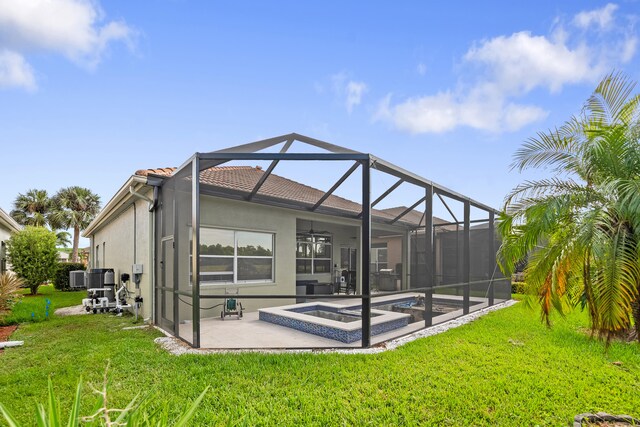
{"type": "Point", "coordinates": [76, 279]}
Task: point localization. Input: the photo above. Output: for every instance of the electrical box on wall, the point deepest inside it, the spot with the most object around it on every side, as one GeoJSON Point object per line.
{"type": "Point", "coordinates": [136, 269]}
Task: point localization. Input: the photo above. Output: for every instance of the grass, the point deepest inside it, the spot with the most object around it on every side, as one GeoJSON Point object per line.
{"type": "Point", "coordinates": [503, 369]}
{"type": "Point", "coordinates": [33, 308]}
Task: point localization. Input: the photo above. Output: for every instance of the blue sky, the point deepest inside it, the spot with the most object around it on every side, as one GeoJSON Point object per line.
{"type": "Point", "coordinates": [92, 91]}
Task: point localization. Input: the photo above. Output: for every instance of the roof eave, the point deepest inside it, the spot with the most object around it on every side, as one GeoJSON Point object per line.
{"type": "Point", "coordinates": [116, 201]}
{"type": "Point", "coordinates": [9, 222]}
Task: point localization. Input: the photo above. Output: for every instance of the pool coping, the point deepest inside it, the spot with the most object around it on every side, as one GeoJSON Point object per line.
{"type": "Point", "coordinates": [293, 316]}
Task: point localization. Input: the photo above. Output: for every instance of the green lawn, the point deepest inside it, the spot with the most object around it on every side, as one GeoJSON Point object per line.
{"type": "Point", "coordinates": [37, 304]}
{"type": "Point", "coordinates": [503, 369]}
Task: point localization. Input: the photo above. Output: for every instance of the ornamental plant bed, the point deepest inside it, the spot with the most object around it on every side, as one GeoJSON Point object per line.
{"type": "Point", "coordinates": [602, 419]}
{"type": "Point", "coordinates": [6, 331]}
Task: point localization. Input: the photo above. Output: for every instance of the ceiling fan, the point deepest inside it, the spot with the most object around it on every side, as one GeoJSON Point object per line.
{"type": "Point", "coordinates": [312, 231]}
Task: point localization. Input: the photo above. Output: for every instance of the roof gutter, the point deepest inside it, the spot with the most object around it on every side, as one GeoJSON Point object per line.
{"type": "Point", "coordinates": [9, 222]}
{"type": "Point", "coordinates": [114, 203]}
{"type": "Point", "coordinates": [153, 203]}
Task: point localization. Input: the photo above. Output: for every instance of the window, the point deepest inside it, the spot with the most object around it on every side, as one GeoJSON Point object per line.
{"type": "Point", "coordinates": [313, 253]}
{"type": "Point", "coordinates": [348, 258]}
{"type": "Point", "coordinates": [378, 257]}
{"type": "Point", "coordinates": [3, 257]}
{"type": "Point", "coordinates": [229, 256]}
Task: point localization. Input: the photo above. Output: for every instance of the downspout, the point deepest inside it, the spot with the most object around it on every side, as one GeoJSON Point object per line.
{"type": "Point", "coordinates": [135, 234]}
{"type": "Point", "coordinates": [153, 203]}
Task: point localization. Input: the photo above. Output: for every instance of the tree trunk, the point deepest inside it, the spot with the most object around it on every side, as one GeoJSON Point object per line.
{"type": "Point", "coordinates": [76, 241]}
{"type": "Point", "coordinates": [635, 312]}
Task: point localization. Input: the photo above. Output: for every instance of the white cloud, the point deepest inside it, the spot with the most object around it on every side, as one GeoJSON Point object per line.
{"type": "Point", "coordinates": [516, 116]}
{"type": "Point", "coordinates": [15, 71]}
{"type": "Point", "coordinates": [628, 51]}
{"type": "Point", "coordinates": [522, 62]}
{"type": "Point", "coordinates": [502, 70]}
{"type": "Point", "coordinates": [354, 90]}
{"type": "Point", "coordinates": [446, 111]}
{"type": "Point", "coordinates": [75, 29]}
{"type": "Point", "coordinates": [421, 69]}
{"type": "Point", "coordinates": [601, 18]}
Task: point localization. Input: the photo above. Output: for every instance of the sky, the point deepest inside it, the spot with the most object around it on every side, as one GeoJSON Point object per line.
{"type": "Point", "coordinates": [91, 91]}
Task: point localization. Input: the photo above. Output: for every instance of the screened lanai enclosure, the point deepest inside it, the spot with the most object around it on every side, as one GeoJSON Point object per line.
{"type": "Point", "coordinates": [292, 242]}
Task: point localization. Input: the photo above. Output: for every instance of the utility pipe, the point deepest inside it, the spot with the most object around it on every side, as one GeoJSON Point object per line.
{"type": "Point", "coordinates": [8, 344]}
{"type": "Point", "coordinates": [152, 207]}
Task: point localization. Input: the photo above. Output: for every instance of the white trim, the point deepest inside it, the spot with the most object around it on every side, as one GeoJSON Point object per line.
{"type": "Point", "coordinates": [235, 257]}
{"type": "Point", "coordinates": [9, 222]}
{"type": "Point", "coordinates": [117, 201]}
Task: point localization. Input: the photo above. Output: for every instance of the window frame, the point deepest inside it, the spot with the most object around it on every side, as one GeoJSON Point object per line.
{"type": "Point", "coordinates": [375, 258]}
{"type": "Point", "coordinates": [235, 257]}
{"type": "Point", "coordinates": [312, 245]}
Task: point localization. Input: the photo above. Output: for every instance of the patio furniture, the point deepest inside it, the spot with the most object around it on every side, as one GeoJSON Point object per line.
{"type": "Point", "coordinates": [348, 285]}
{"type": "Point", "coordinates": [386, 280]}
{"type": "Point", "coordinates": [312, 287]}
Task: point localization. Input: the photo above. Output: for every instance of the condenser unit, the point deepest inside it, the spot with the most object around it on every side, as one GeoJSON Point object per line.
{"type": "Point", "coordinates": [76, 279]}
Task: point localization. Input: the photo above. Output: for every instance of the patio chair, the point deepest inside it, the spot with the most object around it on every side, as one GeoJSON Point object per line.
{"type": "Point", "coordinates": [348, 285]}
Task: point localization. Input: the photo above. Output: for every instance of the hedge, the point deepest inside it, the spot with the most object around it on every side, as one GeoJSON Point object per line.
{"type": "Point", "coordinates": [61, 279]}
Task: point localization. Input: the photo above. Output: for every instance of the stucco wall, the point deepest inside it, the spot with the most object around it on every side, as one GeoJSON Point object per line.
{"type": "Point", "coordinates": [123, 242]}
{"type": "Point", "coordinates": [216, 212]}
{"type": "Point", "coordinates": [231, 214]}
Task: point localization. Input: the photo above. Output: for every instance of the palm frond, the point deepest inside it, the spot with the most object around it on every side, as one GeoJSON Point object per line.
{"type": "Point", "coordinates": [607, 103]}
{"type": "Point", "coordinates": [555, 149]}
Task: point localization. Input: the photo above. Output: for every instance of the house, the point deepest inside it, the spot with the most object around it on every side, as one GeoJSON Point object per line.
{"type": "Point", "coordinates": [7, 226]}
{"type": "Point", "coordinates": [63, 255]}
{"type": "Point", "coordinates": [195, 239]}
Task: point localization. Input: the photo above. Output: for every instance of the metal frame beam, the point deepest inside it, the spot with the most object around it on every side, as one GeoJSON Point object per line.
{"type": "Point", "coordinates": [386, 193]}
{"type": "Point", "coordinates": [322, 144]}
{"type": "Point", "coordinates": [406, 211]}
{"type": "Point", "coordinates": [270, 169]}
{"type": "Point", "coordinates": [492, 257]}
{"type": "Point", "coordinates": [195, 249]}
{"type": "Point", "coordinates": [283, 156]}
{"type": "Point", "coordinates": [366, 254]}
{"type": "Point", "coordinates": [473, 221]}
{"type": "Point", "coordinates": [391, 169]}
{"type": "Point", "coordinates": [429, 256]}
{"type": "Point", "coordinates": [342, 179]}
{"type": "Point", "coordinates": [176, 262]}
{"type": "Point", "coordinates": [447, 207]}
{"type": "Point", "coordinates": [466, 259]}
{"type": "Point", "coordinates": [252, 147]}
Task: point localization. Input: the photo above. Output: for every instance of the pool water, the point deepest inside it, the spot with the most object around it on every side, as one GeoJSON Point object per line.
{"type": "Point", "coordinates": [416, 309]}
{"type": "Point", "coordinates": [337, 316]}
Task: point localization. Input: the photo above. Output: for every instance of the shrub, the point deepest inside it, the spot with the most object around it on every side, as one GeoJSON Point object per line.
{"type": "Point", "coordinates": [10, 285]}
{"type": "Point", "coordinates": [33, 256]}
{"type": "Point", "coordinates": [518, 288]}
{"type": "Point", "coordinates": [61, 278]}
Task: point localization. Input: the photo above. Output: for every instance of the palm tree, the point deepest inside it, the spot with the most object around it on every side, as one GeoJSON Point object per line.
{"type": "Point", "coordinates": [63, 238]}
{"type": "Point", "coordinates": [580, 228]}
{"type": "Point", "coordinates": [32, 208]}
{"type": "Point", "coordinates": [75, 207]}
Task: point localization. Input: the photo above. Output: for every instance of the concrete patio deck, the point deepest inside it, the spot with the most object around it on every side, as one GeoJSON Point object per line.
{"type": "Point", "coordinates": [252, 333]}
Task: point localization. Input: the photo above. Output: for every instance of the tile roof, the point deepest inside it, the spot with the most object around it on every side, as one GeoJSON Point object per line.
{"type": "Point", "coordinates": [159, 171]}
{"type": "Point", "coordinates": [244, 179]}
{"type": "Point", "coordinates": [414, 216]}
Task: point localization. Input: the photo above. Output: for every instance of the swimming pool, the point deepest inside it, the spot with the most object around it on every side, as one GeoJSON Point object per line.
{"type": "Point", "coordinates": [334, 321]}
